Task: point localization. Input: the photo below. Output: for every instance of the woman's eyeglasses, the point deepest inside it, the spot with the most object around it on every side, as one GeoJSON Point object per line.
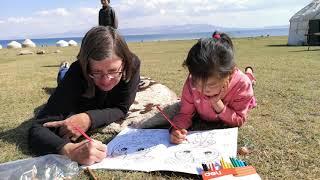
{"type": "Point", "coordinates": [111, 75]}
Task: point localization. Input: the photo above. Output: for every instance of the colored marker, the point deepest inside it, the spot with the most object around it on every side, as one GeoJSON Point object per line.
{"type": "Point", "coordinates": [167, 118]}
{"type": "Point", "coordinates": [237, 162]}
{"type": "Point", "coordinates": [204, 166]}
{"type": "Point", "coordinates": [212, 167]}
{"type": "Point", "coordinates": [232, 161]}
{"type": "Point", "coordinates": [223, 164]}
{"type": "Point", "coordinates": [209, 167]}
{"type": "Point", "coordinates": [231, 165]}
{"type": "Point", "coordinates": [242, 164]}
{"type": "Point", "coordinates": [82, 132]}
{"type": "Point", "coordinates": [217, 166]}
{"type": "Point", "coordinates": [245, 164]}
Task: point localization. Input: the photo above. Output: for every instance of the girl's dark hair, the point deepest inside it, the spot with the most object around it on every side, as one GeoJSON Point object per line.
{"type": "Point", "coordinates": [99, 43]}
{"type": "Point", "coordinates": [211, 57]}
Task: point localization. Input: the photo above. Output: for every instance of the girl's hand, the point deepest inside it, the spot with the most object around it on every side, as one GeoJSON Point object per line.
{"type": "Point", "coordinates": [85, 152]}
{"type": "Point", "coordinates": [178, 136]}
{"type": "Point", "coordinates": [66, 127]}
{"type": "Point", "coordinates": [216, 100]}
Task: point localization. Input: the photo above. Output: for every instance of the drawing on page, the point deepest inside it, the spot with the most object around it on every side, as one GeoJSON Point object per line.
{"type": "Point", "coordinates": [135, 146]}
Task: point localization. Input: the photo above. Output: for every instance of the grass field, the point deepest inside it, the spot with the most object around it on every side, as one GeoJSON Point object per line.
{"type": "Point", "coordinates": [282, 132]}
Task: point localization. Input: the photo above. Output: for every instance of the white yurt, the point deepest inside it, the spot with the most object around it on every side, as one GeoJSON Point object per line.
{"type": "Point", "coordinates": [72, 43]}
{"type": "Point", "coordinates": [306, 21]}
{"type": "Point", "coordinates": [62, 43]}
{"type": "Point", "coordinates": [0, 46]}
{"type": "Point", "coordinates": [28, 43]}
{"type": "Point", "coordinates": [14, 44]}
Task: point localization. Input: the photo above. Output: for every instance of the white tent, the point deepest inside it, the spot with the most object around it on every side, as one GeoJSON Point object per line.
{"type": "Point", "coordinates": [62, 43]}
{"type": "Point", "coordinates": [72, 43]}
{"type": "Point", "coordinates": [301, 22]}
{"type": "Point", "coordinates": [14, 44]}
{"type": "Point", "coordinates": [0, 46]}
{"type": "Point", "coordinates": [28, 43]}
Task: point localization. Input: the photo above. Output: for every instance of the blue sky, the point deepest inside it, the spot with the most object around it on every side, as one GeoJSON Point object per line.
{"type": "Point", "coordinates": [20, 18]}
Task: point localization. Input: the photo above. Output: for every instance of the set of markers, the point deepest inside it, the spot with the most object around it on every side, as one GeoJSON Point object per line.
{"type": "Point", "coordinates": [231, 168]}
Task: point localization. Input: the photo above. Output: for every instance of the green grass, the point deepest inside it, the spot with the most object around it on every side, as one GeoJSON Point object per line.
{"type": "Point", "coordinates": [282, 132]}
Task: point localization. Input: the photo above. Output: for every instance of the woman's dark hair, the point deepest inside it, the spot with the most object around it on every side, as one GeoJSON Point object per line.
{"type": "Point", "coordinates": [99, 43]}
{"type": "Point", "coordinates": [211, 57]}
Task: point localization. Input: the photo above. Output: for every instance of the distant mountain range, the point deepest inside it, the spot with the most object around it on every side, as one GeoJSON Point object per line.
{"type": "Point", "coordinates": [173, 29]}
{"type": "Point", "coordinates": [188, 28]}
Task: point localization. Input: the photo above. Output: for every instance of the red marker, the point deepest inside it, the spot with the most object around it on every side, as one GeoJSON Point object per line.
{"type": "Point", "coordinates": [82, 132]}
{"type": "Point", "coordinates": [167, 118]}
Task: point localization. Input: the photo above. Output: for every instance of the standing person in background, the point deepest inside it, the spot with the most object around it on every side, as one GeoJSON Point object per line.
{"type": "Point", "coordinates": [97, 90]}
{"type": "Point", "coordinates": [107, 16]}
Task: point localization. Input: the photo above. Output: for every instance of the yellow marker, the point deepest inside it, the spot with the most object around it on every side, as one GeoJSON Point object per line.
{"type": "Point", "coordinates": [224, 165]}
{"type": "Point", "coordinates": [231, 165]}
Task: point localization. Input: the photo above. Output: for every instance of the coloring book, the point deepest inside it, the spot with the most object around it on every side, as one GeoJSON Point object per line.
{"type": "Point", "coordinates": [151, 150]}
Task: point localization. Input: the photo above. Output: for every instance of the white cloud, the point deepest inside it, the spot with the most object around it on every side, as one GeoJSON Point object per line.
{"type": "Point", "coordinates": [129, 8]}
{"type": "Point", "coordinates": [50, 22]}
{"type": "Point", "coordinates": [239, 13]}
{"type": "Point", "coordinates": [54, 12]}
{"type": "Point", "coordinates": [19, 20]}
{"type": "Point", "coordinates": [89, 11]}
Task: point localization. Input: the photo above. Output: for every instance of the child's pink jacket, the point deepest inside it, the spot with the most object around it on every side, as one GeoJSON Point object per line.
{"type": "Point", "coordinates": [238, 100]}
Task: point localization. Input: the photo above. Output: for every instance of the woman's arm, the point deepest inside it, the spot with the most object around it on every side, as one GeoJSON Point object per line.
{"type": "Point", "coordinates": [44, 140]}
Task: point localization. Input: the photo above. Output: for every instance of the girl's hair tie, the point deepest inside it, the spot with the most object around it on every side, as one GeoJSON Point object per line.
{"type": "Point", "coordinates": [216, 36]}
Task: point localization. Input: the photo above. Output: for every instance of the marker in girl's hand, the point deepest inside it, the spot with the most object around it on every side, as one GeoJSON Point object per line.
{"type": "Point", "coordinates": [167, 118]}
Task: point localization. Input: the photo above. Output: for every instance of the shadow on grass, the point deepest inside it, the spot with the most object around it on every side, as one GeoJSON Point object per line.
{"type": "Point", "coordinates": [277, 45]}
{"type": "Point", "coordinates": [19, 135]}
{"type": "Point", "coordinates": [49, 66]}
{"type": "Point", "coordinates": [170, 174]}
{"type": "Point", "coordinates": [49, 90]}
{"type": "Point", "coordinates": [306, 50]}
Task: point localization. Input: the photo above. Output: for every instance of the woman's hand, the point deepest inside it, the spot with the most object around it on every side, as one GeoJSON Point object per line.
{"type": "Point", "coordinates": [178, 136]}
{"type": "Point", "coordinates": [66, 127]}
{"type": "Point", "coordinates": [85, 152]}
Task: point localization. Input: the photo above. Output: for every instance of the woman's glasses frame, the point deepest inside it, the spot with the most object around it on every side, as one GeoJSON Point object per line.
{"type": "Point", "coordinates": [110, 75]}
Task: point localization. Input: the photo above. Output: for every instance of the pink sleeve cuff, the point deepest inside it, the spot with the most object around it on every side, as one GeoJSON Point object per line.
{"type": "Point", "coordinates": [229, 117]}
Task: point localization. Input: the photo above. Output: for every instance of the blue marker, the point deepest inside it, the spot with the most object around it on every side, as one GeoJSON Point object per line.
{"type": "Point", "coordinates": [217, 166]}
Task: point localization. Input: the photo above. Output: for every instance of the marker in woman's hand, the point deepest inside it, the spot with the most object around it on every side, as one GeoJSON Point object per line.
{"type": "Point", "coordinates": [82, 132]}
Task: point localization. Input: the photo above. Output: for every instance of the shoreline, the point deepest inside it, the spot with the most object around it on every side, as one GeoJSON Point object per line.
{"type": "Point", "coordinates": [161, 37]}
{"type": "Point", "coordinates": [4, 46]}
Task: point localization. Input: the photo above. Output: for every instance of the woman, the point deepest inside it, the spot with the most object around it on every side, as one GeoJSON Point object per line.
{"type": "Point", "coordinates": [97, 90]}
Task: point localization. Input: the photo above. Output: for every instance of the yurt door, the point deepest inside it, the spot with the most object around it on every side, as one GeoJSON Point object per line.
{"type": "Point", "coordinates": [314, 28]}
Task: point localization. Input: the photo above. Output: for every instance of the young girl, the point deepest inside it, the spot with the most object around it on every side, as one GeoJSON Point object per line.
{"type": "Point", "coordinates": [216, 90]}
